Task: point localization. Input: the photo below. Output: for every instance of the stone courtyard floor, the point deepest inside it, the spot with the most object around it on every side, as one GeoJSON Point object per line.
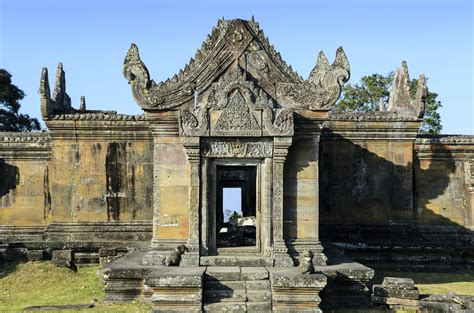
{"type": "Point", "coordinates": [41, 283]}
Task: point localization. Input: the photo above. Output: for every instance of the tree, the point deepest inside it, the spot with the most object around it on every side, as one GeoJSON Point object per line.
{"type": "Point", "coordinates": [374, 91]}
{"type": "Point", "coordinates": [10, 96]}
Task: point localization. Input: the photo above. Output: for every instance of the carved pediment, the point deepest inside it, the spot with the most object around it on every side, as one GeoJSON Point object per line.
{"type": "Point", "coordinates": [236, 106]}
{"type": "Point", "coordinates": [243, 43]}
{"type": "Point", "coordinates": [236, 118]}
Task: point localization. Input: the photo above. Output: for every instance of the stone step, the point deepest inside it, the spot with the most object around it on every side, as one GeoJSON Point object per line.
{"type": "Point", "coordinates": [225, 307]}
{"type": "Point", "coordinates": [250, 291]}
{"type": "Point", "coordinates": [222, 273]}
{"type": "Point", "coordinates": [238, 307]}
{"type": "Point", "coordinates": [242, 260]}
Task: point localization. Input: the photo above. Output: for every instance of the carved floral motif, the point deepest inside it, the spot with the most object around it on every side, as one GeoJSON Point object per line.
{"type": "Point", "coordinates": [237, 149]}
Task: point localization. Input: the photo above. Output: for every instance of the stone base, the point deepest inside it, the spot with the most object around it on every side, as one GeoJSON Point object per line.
{"type": "Point", "coordinates": [295, 292]}
{"type": "Point", "coordinates": [238, 288]}
{"type": "Point", "coordinates": [347, 283]}
{"type": "Point", "coordinates": [283, 260]}
{"type": "Point", "coordinates": [176, 289]}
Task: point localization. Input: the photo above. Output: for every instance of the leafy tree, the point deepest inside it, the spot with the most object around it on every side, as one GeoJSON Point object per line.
{"type": "Point", "coordinates": [10, 96]}
{"type": "Point", "coordinates": [374, 90]}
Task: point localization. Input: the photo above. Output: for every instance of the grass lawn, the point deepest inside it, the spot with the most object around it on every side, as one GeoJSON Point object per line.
{"type": "Point", "coordinates": [435, 283]}
{"type": "Point", "coordinates": [42, 283]}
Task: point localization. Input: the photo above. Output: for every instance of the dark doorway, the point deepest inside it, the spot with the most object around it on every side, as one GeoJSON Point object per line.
{"type": "Point", "coordinates": [236, 213]}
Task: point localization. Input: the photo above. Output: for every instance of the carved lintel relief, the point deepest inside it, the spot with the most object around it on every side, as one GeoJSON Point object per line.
{"type": "Point", "coordinates": [237, 148]}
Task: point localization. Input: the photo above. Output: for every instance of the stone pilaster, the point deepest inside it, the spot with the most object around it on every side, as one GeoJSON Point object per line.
{"type": "Point", "coordinates": [204, 207]}
{"type": "Point", "coordinates": [192, 146]}
{"type": "Point", "coordinates": [281, 145]}
{"type": "Point", "coordinates": [267, 207]}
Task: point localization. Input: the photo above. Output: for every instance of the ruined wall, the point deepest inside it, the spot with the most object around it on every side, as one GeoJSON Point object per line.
{"type": "Point", "coordinates": [366, 171]}
{"type": "Point", "coordinates": [444, 180]}
{"type": "Point", "coordinates": [389, 195]}
{"type": "Point", "coordinates": [372, 176]}
{"type": "Point", "coordinates": [24, 178]}
{"type": "Point", "coordinates": [101, 170]}
{"type": "Point", "coordinates": [89, 178]}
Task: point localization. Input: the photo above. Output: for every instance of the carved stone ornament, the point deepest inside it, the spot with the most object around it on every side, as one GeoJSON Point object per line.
{"type": "Point", "coordinates": [230, 42]}
{"type": "Point", "coordinates": [322, 88]}
{"type": "Point", "coordinates": [60, 102]}
{"type": "Point", "coordinates": [237, 106]}
{"type": "Point", "coordinates": [193, 123]}
{"type": "Point", "coordinates": [401, 100]}
{"type": "Point", "coordinates": [220, 148]}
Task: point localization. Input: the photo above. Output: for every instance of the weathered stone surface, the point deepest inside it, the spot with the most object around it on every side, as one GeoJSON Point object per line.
{"type": "Point", "coordinates": [265, 306]}
{"type": "Point", "coordinates": [225, 307]}
{"type": "Point", "coordinates": [62, 256]}
{"type": "Point", "coordinates": [395, 301]}
{"type": "Point", "coordinates": [253, 273]}
{"type": "Point", "coordinates": [35, 255]}
{"type": "Point", "coordinates": [290, 277]}
{"type": "Point", "coordinates": [175, 276]}
{"type": "Point", "coordinates": [292, 290]}
{"type": "Point", "coordinates": [447, 303]}
{"type": "Point", "coordinates": [105, 252]}
{"type": "Point", "coordinates": [223, 273]}
{"type": "Point", "coordinates": [397, 283]}
{"type": "Point", "coordinates": [402, 293]}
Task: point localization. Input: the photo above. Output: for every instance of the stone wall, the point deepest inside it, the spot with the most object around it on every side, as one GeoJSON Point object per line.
{"type": "Point", "coordinates": [385, 193]}
{"type": "Point", "coordinates": [389, 195]}
{"type": "Point", "coordinates": [25, 199]}
{"type": "Point", "coordinates": [89, 178]}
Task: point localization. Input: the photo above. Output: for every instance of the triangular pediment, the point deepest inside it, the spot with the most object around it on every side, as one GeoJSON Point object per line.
{"type": "Point", "coordinates": [236, 118]}
{"type": "Point", "coordinates": [234, 43]}
{"type": "Point", "coordinates": [236, 106]}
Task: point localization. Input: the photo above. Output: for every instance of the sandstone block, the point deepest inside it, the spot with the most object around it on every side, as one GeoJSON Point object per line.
{"type": "Point", "coordinates": [223, 273]}
{"type": "Point", "coordinates": [105, 252]}
{"type": "Point", "coordinates": [62, 257]}
{"type": "Point", "coordinates": [253, 273]}
{"type": "Point", "coordinates": [34, 255]}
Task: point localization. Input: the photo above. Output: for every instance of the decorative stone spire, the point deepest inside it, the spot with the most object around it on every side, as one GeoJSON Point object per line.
{"type": "Point", "coordinates": [401, 99]}
{"type": "Point", "coordinates": [82, 106]}
{"type": "Point", "coordinates": [60, 102]}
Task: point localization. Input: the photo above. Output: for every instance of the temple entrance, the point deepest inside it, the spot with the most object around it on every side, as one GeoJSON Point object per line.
{"type": "Point", "coordinates": [236, 208]}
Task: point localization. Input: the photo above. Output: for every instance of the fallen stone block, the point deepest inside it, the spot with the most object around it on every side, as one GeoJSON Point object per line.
{"type": "Point", "coordinates": [34, 255]}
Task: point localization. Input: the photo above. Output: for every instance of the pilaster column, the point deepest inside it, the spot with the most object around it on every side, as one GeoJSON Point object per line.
{"type": "Point", "coordinates": [281, 145]}
{"type": "Point", "coordinates": [192, 145]}
{"type": "Point", "coordinates": [267, 208]}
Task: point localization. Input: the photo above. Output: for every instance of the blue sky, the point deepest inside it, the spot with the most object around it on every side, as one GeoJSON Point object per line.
{"type": "Point", "coordinates": [91, 38]}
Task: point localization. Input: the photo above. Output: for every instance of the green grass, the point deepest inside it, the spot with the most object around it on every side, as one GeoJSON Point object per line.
{"type": "Point", "coordinates": [435, 283]}
{"type": "Point", "coordinates": [42, 283]}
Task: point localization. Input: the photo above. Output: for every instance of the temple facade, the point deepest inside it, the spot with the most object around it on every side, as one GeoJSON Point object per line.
{"type": "Point", "coordinates": [312, 182]}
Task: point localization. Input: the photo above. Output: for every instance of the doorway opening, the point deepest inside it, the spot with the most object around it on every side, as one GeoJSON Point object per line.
{"type": "Point", "coordinates": [236, 209]}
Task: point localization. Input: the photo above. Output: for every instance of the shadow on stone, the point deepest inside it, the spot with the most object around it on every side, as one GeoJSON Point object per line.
{"type": "Point", "coordinates": [10, 177]}
{"type": "Point", "coordinates": [379, 212]}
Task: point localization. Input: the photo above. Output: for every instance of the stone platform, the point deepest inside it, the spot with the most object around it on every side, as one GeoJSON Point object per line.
{"type": "Point", "coordinates": [223, 286]}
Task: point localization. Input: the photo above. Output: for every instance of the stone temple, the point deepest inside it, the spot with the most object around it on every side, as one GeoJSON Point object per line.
{"type": "Point", "coordinates": [145, 194]}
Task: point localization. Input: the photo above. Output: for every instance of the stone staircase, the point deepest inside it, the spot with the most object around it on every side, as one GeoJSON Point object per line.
{"type": "Point", "coordinates": [237, 289]}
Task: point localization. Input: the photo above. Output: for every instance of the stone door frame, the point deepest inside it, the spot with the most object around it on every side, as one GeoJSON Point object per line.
{"type": "Point", "coordinates": [208, 210]}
